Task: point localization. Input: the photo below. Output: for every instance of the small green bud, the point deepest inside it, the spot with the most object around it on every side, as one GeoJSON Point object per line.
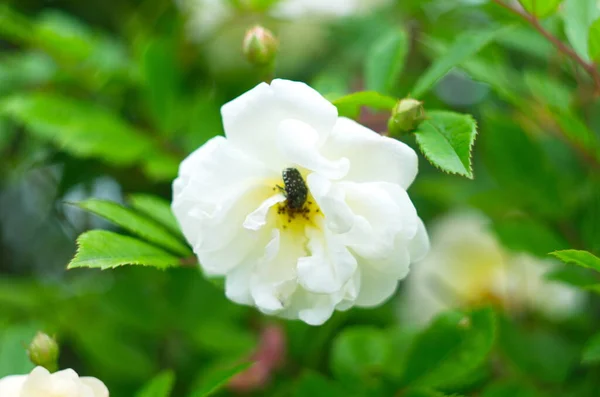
{"type": "Point", "coordinates": [260, 46]}
{"type": "Point", "coordinates": [406, 116]}
{"type": "Point", "coordinates": [44, 351]}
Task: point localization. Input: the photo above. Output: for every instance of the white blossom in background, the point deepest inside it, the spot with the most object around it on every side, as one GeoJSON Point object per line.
{"type": "Point", "coordinates": [347, 242]}
{"type": "Point", "coordinates": [467, 265]}
{"type": "Point", "coordinates": [206, 16]}
{"type": "Point", "coordinates": [40, 383]}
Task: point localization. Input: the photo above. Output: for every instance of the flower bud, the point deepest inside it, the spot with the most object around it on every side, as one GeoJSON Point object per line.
{"type": "Point", "coordinates": [44, 351]}
{"type": "Point", "coordinates": [260, 46]}
{"type": "Point", "coordinates": [406, 116]}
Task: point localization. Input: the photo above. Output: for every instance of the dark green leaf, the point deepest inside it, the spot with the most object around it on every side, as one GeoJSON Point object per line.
{"type": "Point", "coordinates": [105, 250]}
{"type": "Point", "coordinates": [540, 8]}
{"type": "Point", "coordinates": [349, 105]}
{"type": "Point", "coordinates": [160, 386]}
{"type": "Point", "coordinates": [446, 139]}
{"type": "Point", "coordinates": [358, 353]}
{"type": "Point", "coordinates": [466, 45]}
{"type": "Point", "coordinates": [537, 352]}
{"type": "Point", "coordinates": [136, 223]}
{"type": "Point", "coordinates": [218, 379]}
{"type": "Point", "coordinates": [451, 347]}
{"type": "Point", "coordinates": [512, 389]}
{"type": "Point", "coordinates": [162, 82]}
{"type": "Point", "coordinates": [579, 258]}
{"type": "Point", "coordinates": [385, 61]}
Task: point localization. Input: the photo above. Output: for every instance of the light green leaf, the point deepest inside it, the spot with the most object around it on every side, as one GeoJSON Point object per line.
{"type": "Point", "coordinates": [358, 353]}
{"type": "Point", "coordinates": [540, 8]}
{"type": "Point", "coordinates": [106, 250]}
{"type": "Point", "coordinates": [13, 350]}
{"type": "Point", "coordinates": [156, 208]}
{"type": "Point", "coordinates": [451, 347]}
{"type": "Point", "coordinates": [218, 379]}
{"type": "Point", "coordinates": [578, 16]}
{"type": "Point", "coordinates": [349, 105]}
{"type": "Point", "coordinates": [446, 139]}
{"type": "Point", "coordinates": [591, 353]}
{"type": "Point", "coordinates": [594, 41]}
{"type": "Point", "coordinates": [77, 127]}
{"type": "Point", "coordinates": [466, 45]}
{"type": "Point", "coordinates": [385, 61]}
{"type": "Point", "coordinates": [160, 386]}
{"type": "Point", "coordinates": [136, 223]}
{"type": "Point", "coordinates": [508, 388]}
{"type": "Point", "coordinates": [579, 258]}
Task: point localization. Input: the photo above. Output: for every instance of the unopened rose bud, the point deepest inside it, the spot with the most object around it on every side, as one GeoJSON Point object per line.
{"type": "Point", "coordinates": [406, 116]}
{"type": "Point", "coordinates": [44, 351]}
{"type": "Point", "coordinates": [260, 46]}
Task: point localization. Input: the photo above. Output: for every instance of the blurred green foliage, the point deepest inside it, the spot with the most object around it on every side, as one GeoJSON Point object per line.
{"type": "Point", "coordinates": [100, 101]}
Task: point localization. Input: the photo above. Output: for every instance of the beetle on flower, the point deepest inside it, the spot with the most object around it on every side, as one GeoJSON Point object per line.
{"type": "Point", "coordinates": [303, 212]}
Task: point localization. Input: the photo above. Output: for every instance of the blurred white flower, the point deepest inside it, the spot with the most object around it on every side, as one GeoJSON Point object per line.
{"type": "Point", "coordinates": [302, 211]}
{"type": "Point", "coordinates": [467, 265]}
{"type": "Point", "coordinates": [292, 9]}
{"type": "Point", "coordinates": [40, 383]}
{"type": "Point", "coordinates": [206, 16]}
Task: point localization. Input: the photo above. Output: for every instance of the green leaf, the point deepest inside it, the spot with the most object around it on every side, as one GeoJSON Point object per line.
{"type": "Point", "coordinates": [451, 347]}
{"type": "Point", "coordinates": [579, 258]}
{"type": "Point", "coordinates": [578, 132]}
{"type": "Point", "coordinates": [508, 388]}
{"type": "Point", "coordinates": [137, 224]}
{"type": "Point", "coordinates": [446, 140]}
{"type": "Point", "coordinates": [13, 350]}
{"type": "Point", "coordinates": [466, 45]}
{"type": "Point", "coordinates": [358, 353]}
{"type": "Point", "coordinates": [591, 353]}
{"type": "Point", "coordinates": [537, 352]}
{"type": "Point", "coordinates": [540, 8]}
{"type": "Point", "coordinates": [385, 61]}
{"type": "Point", "coordinates": [349, 105]}
{"type": "Point", "coordinates": [578, 16]}
{"type": "Point", "coordinates": [594, 41]}
{"type": "Point", "coordinates": [106, 250]}
{"type": "Point", "coordinates": [312, 384]}
{"type": "Point", "coordinates": [162, 83]}
{"type": "Point", "coordinates": [77, 127]}
{"type": "Point", "coordinates": [216, 380]}
{"type": "Point", "coordinates": [156, 208]}
{"type": "Point", "coordinates": [575, 276]}
{"type": "Point", "coordinates": [160, 386]}
{"type": "Point", "coordinates": [419, 392]}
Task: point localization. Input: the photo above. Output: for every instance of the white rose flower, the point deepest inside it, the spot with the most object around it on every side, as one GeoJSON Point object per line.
{"type": "Point", "coordinates": [302, 211]}
{"type": "Point", "coordinates": [467, 265]}
{"type": "Point", "coordinates": [40, 383]}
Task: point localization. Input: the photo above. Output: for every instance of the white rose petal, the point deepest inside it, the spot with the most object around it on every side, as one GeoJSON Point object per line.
{"type": "Point", "coordinates": [467, 265]}
{"type": "Point", "coordinates": [40, 383]}
{"type": "Point", "coordinates": [348, 243]}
